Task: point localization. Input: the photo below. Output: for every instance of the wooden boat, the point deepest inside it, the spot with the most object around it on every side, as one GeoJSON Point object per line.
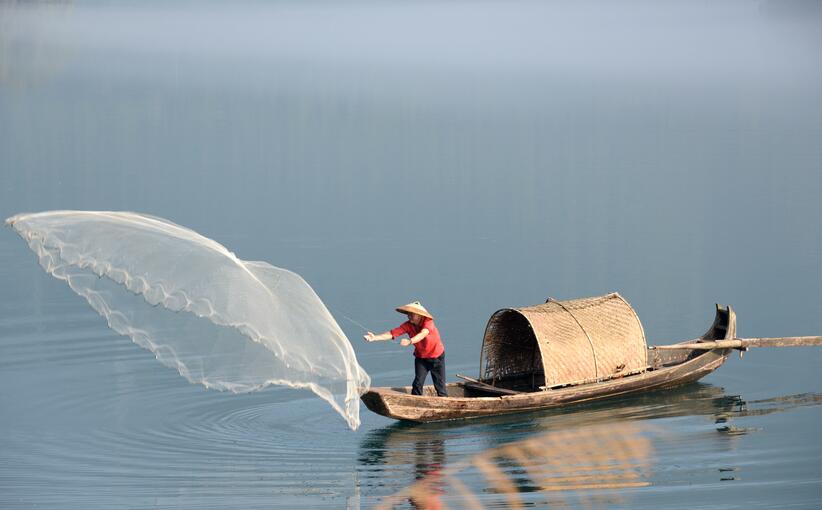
{"type": "Point", "coordinates": [566, 352]}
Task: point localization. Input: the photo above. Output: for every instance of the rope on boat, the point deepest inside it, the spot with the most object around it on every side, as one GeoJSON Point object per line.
{"type": "Point", "coordinates": [591, 342]}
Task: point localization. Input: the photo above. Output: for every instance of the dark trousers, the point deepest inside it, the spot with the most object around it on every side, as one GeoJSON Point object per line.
{"type": "Point", "coordinates": [437, 368]}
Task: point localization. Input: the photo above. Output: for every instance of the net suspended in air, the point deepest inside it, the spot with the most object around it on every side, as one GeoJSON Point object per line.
{"type": "Point", "coordinates": [220, 321]}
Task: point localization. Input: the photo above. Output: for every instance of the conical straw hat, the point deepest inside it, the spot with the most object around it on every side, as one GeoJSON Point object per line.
{"type": "Point", "coordinates": [416, 308]}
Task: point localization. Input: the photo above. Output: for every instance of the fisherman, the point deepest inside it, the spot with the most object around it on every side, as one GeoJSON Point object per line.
{"type": "Point", "coordinates": [429, 353]}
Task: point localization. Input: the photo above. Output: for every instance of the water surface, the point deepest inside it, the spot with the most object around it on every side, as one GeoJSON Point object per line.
{"type": "Point", "coordinates": [473, 155]}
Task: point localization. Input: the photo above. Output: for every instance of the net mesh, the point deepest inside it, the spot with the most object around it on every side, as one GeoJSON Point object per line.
{"type": "Point", "coordinates": [218, 320]}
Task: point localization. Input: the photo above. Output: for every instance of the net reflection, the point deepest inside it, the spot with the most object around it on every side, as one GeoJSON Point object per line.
{"type": "Point", "coordinates": [581, 457]}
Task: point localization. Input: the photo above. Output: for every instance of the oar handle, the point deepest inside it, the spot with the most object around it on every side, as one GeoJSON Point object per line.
{"type": "Point", "coordinates": [784, 341]}
{"type": "Point", "coordinates": [742, 343]}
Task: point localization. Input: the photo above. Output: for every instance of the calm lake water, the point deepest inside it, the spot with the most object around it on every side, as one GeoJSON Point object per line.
{"type": "Point", "coordinates": [473, 155]}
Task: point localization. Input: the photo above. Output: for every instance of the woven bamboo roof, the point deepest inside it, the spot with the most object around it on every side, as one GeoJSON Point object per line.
{"type": "Point", "coordinates": [563, 342]}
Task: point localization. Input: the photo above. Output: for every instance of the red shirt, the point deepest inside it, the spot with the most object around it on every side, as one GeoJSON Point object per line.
{"type": "Point", "coordinates": [429, 347]}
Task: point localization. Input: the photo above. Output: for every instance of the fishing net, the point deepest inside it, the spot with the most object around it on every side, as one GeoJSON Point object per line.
{"type": "Point", "coordinates": [223, 322]}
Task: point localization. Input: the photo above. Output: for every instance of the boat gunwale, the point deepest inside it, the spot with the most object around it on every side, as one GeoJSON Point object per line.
{"type": "Point", "coordinates": [648, 374]}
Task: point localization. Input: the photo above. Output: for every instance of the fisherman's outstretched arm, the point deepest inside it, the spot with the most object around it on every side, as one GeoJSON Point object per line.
{"type": "Point", "coordinates": [405, 342]}
{"type": "Point", "coordinates": [371, 337]}
{"type": "Point", "coordinates": [419, 336]}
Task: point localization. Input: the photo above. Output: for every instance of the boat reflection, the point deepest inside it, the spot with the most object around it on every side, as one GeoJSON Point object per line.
{"type": "Point", "coordinates": [583, 466]}
{"type": "Point", "coordinates": [585, 456]}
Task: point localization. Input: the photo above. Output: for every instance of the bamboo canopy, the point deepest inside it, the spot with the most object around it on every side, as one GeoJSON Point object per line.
{"type": "Point", "coordinates": [563, 342]}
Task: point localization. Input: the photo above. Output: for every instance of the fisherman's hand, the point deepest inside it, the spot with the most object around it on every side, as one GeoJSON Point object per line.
{"type": "Point", "coordinates": [369, 337]}
{"type": "Point", "coordinates": [405, 342]}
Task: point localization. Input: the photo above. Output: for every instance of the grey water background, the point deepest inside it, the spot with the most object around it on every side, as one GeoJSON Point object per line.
{"type": "Point", "coordinates": [473, 155]}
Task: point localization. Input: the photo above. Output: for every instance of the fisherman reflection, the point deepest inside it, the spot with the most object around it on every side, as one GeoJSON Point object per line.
{"type": "Point", "coordinates": [429, 460]}
{"type": "Point", "coordinates": [401, 447]}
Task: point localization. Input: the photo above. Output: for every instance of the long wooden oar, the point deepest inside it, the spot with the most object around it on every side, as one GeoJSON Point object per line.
{"type": "Point", "coordinates": [742, 343]}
